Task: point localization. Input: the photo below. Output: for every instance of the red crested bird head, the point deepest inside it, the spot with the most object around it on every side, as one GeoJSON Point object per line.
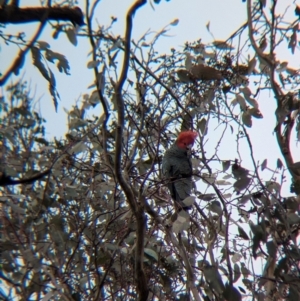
{"type": "Point", "coordinates": [186, 139]}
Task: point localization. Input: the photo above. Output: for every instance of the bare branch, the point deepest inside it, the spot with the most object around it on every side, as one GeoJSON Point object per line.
{"type": "Point", "coordinates": [137, 210]}
{"type": "Point", "coordinates": [16, 15]}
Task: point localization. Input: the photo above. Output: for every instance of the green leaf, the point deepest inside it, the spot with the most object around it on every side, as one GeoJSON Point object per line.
{"type": "Point", "coordinates": [52, 89]}
{"type": "Point", "coordinates": [251, 101]}
{"type": "Point", "coordinates": [83, 281]}
{"type": "Point", "coordinates": [293, 218]}
{"type": "Point", "coordinates": [251, 65]}
{"type": "Point", "coordinates": [215, 206]}
{"type": "Point", "coordinates": [264, 164]}
{"type": "Point", "coordinates": [206, 196]}
{"type": "Point", "coordinates": [241, 101]}
{"type": "Point", "coordinates": [291, 203]}
{"type": "Point", "coordinates": [43, 45]}
{"type": "Point", "coordinates": [242, 233]}
{"type": "Point", "coordinates": [41, 140]}
{"type": "Point", "coordinates": [271, 248]}
{"type": "Point", "coordinates": [236, 272]}
{"type": "Point", "coordinates": [222, 183]}
{"type": "Point", "coordinates": [78, 148]}
{"type": "Point", "coordinates": [92, 64]}
{"type": "Point", "coordinates": [255, 112]}
{"type": "Point", "coordinates": [202, 126]}
{"type": "Point", "coordinates": [231, 293]}
{"type": "Point", "coordinates": [151, 253]}
{"type": "Point", "coordinates": [71, 34]}
{"type": "Point", "coordinates": [189, 201]}
{"type": "Point", "coordinates": [244, 270]}
{"type": "Point", "coordinates": [236, 257]}
{"type": "Point", "coordinates": [223, 45]}
{"type": "Point", "coordinates": [213, 277]}
{"type": "Point", "coordinates": [17, 209]}
{"type": "Point", "coordinates": [225, 165]}
{"type": "Point", "coordinates": [57, 31]}
{"type": "Point", "coordinates": [209, 179]}
{"type": "Point", "coordinates": [36, 56]}
{"type": "Point", "coordinates": [246, 91]}
{"type": "Point", "coordinates": [208, 25]}
{"type": "Point", "coordinates": [241, 184]}
{"type": "Point", "coordinates": [174, 22]}
{"type": "Point", "coordinates": [247, 120]}
{"type": "Point", "coordinates": [279, 164]}
{"type": "Point", "coordinates": [245, 198]}
{"type": "Point", "coordinates": [273, 186]}
{"type": "Point", "coordinates": [62, 65]}
{"type": "Point", "coordinates": [177, 226]}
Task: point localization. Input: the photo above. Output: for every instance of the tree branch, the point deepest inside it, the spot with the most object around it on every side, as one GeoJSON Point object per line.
{"type": "Point", "coordinates": [16, 15]}
{"type": "Point", "coordinates": [96, 72]}
{"type": "Point", "coordinates": [283, 138]}
{"type": "Point", "coordinates": [138, 211]}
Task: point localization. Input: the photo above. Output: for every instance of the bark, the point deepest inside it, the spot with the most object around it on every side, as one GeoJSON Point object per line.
{"type": "Point", "coordinates": [16, 15]}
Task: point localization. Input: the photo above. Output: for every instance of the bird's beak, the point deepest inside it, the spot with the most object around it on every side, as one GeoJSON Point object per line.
{"type": "Point", "coordinates": [189, 147]}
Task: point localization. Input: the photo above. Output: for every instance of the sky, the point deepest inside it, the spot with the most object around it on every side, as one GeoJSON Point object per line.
{"type": "Point", "coordinates": [224, 18]}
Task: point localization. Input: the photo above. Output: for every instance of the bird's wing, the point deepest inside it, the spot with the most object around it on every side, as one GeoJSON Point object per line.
{"type": "Point", "coordinates": [166, 167]}
{"type": "Point", "coordinates": [183, 188]}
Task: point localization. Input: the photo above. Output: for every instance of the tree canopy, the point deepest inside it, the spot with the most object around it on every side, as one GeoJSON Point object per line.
{"type": "Point", "coordinates": [89, 216]}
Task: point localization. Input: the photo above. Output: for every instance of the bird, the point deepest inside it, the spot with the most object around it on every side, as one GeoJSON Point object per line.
{"type": "Point", "coordinates": [177, 168]}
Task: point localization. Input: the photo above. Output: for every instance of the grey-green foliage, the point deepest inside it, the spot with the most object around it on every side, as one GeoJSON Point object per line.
{"type": "Point", "coordinates": [73, 234]}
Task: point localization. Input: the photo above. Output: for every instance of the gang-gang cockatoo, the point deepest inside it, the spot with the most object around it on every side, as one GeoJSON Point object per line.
{"type": "Point", "coordinates": [177, 168]}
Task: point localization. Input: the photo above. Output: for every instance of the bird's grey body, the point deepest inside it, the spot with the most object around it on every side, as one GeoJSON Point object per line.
{"type": "Point", "coordinates": [177, 168]}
